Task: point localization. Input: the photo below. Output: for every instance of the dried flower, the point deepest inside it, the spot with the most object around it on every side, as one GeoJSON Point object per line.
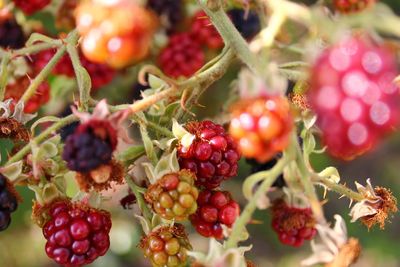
{"type": "Point", "coordinates": [219, 256]}
{"type": "Point", "coordinates": [378, 203]}
{"type": "Point", "coordinates": [334, 249]}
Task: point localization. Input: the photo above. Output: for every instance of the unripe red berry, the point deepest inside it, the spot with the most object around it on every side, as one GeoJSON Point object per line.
{"type": "Point", "coordinates": [216, 208]}
{"type": "Point", "coordinates": [204, 32]}
{"type": "Point", "coordinates": [351, 6]}
{"type": "Point", "coordinates": [182, 56]}
{"type": "Point", "coordinates": [212, 156]}
{"type": "Point", "coordinates": [76, 234]}
{"type": "Point", "coordinates": [292, 224]}
{"type": "Point", "coordinates": [261, 126]}
{"type": "Point", "coordinates": [353, 94]}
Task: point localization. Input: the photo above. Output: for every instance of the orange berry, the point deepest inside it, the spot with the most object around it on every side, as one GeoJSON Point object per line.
{"type": "Point", "coordinates": [94, 46]}
{"type": "Point", "coordinates": [269, 126]}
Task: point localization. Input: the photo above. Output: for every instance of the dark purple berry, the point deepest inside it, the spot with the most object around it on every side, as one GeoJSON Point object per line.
{"type": "Point", "coordinates": [248, 24]}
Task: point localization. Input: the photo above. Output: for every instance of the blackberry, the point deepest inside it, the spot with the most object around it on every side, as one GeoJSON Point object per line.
{"type": "Point", "coordinates": [31, 6]}
{"type": "Point", "coordinates": [174, 196]}
{"type": "Point", "coordinates": [84, 152]}
{"type": "Point", "coordinates": [76, 234]}
{"type": "Point", "coordinates": [247, 24]}
{"type": "Point", "coordinates": [170, 12]}
{"type": "Point", "coordinates": [293, 225]}
{"type": "Point", "coordinates": [11, 35]}
{"type": "Point", "coordinates": [215, 208]}
{"type": "Point", "coordinates": [8, 203]}
{"type": "Point", "coordinates": [213, 156]}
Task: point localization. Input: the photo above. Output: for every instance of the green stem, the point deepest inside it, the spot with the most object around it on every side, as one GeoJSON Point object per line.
{"type": "Point", "coordinates": [305, 179]}
{"type": "Point", "coordinates": [147, 214]}
{"type": "Point", "coordinates": [82, 77]}
{"type": "Point", "coordinates": [338, 188]}
{"type": "Point", "coordinates": [42, 137]}
{"type": "Point", "coordinates": [232, 37]}
{"type": "Point", "coordinates": [42, 75]}
{"type": "Point", "coordinates": [3, 75]}
{"type": "Point", "coordinates": [269, 177]}
{"type": "Point", "coordinates": [36, 48]}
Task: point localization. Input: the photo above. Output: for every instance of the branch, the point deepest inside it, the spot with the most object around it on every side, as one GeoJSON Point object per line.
{"type": "Point", "coordinates": [338, 188]}
{"type": "Point", "coordinates": [231, 36]}
{"type": "Point", "coordinates": [245, 217]}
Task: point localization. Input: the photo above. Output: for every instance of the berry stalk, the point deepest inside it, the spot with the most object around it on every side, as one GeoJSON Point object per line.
{"type": "Point", "coordinates": [269, 177]}
{"type": "Point", "coordinates": [338, 188]}
{"type": "Point", "coordinates": [84, 83]}
{"type": "Point", "coordinates": [3, 75]}
{"type": "Point", "coordinates": [42, 137]}
{"type": "Point", "coordinates": [140, 200]}
{"type": "Point", "coordinates": [305, 179]}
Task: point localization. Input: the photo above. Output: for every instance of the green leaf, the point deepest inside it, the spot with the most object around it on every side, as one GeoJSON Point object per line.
{"type": "Point", "coordinates": [331, 173]}
{"type": "Point", "coordinates": [155, 82]}
{"type": "Point", "coordinates": [13, 170]}
{"type": "Point", "coordinates": [148, 144]}
{"type": "Point", "coordinates": [83, 78]}
{"type": "Point", "coordinates": [131, 154]}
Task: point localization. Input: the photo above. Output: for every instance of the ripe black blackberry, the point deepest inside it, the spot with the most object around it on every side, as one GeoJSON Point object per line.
{"type": "Point", "coordinates": [8, 203]}
{"type": "Point", "coordinates": [11, 35]}
{"type": "Point", "coordinates": [247, 24]}
{"type": "Point", "coordinates": [171, 12]}
{"type": "Point", "coordinates": [84, 151]}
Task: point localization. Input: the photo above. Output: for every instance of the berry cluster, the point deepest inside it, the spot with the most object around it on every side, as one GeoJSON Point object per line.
{"type": "Point", "coordinates": [31, 6]}
{"type": "Point", "coordinates": [11, 34]}
{"type": "Point", "coordinates": [353, 94]}
{"type": "Point", "coordinates": [117, 33]}
{"type": "Point", "coordinates": [212, 156]}
{"type": "Point", "coordinates": [8, 203]}
{"type": "Point", "coordinates": [174, 196]}
{"type": "Point", "coordinates": [215, 208]}
{"type": "Point", "coordinates": [76, 234]}
{"type": "Point", "coordinates": [351, 6]}
{"type": "Point", "coordinates": [16, 89]}
{"type": "Point", "coordinates": [100, 74]}
{"type": "Point", "coordinates": [293, 225]}
{"type": "Point", "coordinates": [166, 246]}
{"type": "Point", "coordinates": [90, 146]}
{"type": "Point", "coordinates": [182, 56]}
{"type": "Point", "coordinates": [261, 126]}
{"type": "Point", "coordinates": [204, 33]}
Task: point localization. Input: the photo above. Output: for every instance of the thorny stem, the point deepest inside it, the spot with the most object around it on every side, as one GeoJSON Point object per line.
{"type": "Point", "coordinates": [338, 188]}
{"type": "Point", "coordinates": [139, 198]}
{"type": "Point", "coordinates": [269, 178]}
{"type": "Point", "coordinates": [80, 72]}
{"type": "Point", "coordinates": [231, 36]}
{"type": "Point", "coordinates": [31, 90]}
{"type": "Point", "coordinates": [3, 75]}
{"type": "Point", "coordinates": [42, 137]}
{"type": "Point", "coordinates": [305, 179]}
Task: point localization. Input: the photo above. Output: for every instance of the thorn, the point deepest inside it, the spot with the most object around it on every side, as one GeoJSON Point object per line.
{"type": "Point", "coordinates": [325, 192]}
{"type": "Point", "coordinates": [351, 202]}
{"type": "Point", "coordinates": [324, 202]}
{"type": "Point", "coordinates": [256, 222]}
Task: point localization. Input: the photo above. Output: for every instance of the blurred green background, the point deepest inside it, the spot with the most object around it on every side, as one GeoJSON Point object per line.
{"type": "Point", "coordinates": [22, 245]}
